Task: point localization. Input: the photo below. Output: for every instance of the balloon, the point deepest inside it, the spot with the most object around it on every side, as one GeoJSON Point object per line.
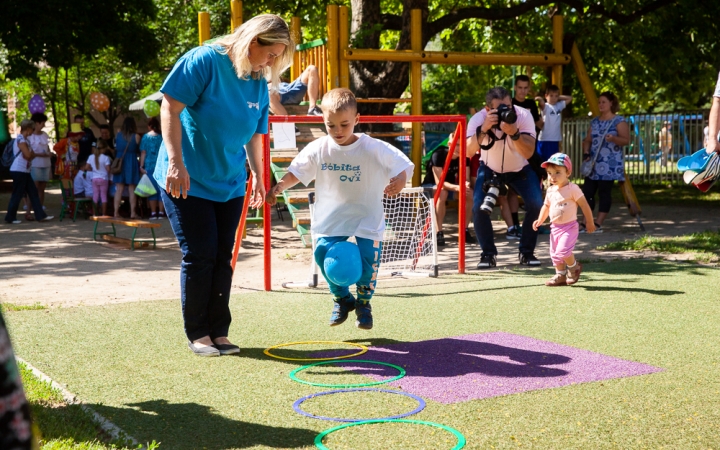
{"type": "Point", "coordinates": [36, 104]}
{"type": "Point", "coordinates": [151, 108]}
{"type": "Point", "coordinates": [342, 264]}
{"type": "Point", "coordinates": [99, 101]}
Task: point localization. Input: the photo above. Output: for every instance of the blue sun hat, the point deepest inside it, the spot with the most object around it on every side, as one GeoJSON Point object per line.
{"type": "Point", "coordinates": [696, 162]}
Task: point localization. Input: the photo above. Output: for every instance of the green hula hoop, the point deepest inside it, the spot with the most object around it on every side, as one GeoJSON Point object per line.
{"type": "Point", "coordinates": [460, 438]}
{"type": "Point", "coordinates": [374, 383]}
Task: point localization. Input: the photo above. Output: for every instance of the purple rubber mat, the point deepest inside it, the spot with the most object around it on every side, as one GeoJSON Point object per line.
{"type": "Point", "coordinates": [476, 366]}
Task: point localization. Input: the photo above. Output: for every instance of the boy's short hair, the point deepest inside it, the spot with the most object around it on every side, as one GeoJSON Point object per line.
{"type": "Point", "coordinates": [522, 78]}
{"type": "Point", "coordinates": [39, 117]}
{"type": "Point", "coordinates": [338, 99]}
{"type": "Point", "coordinates": [552, 88]}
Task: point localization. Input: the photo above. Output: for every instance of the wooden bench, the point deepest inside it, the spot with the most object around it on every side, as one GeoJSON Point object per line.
{"type": "Point", "coordinates": [133, 243]}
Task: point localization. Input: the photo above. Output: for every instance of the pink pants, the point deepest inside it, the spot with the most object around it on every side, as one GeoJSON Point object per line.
{"type": "Point", "coordinates": [562, 241]}
{"type": "Point", "coordinates": [100, 188]}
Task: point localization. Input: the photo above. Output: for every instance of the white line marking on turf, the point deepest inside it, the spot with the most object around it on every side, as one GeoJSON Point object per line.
{"type": "Point", "coordinates": [113, 430]}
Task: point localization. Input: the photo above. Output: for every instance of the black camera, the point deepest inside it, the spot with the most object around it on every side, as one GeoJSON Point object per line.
{"type": "Point", "coordinates": [493, 188]}
{"type": "Point", "coordinates": [505, 114]}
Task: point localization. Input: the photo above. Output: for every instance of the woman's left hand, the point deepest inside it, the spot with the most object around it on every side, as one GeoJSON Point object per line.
{"type": "Point", "coordinates": [257, 198]}
{"type": "Point", "coordinates": [610, 138]}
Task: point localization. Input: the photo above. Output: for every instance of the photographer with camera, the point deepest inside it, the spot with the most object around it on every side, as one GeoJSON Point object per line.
{"type": "Point", "coordinates": [505, 136]}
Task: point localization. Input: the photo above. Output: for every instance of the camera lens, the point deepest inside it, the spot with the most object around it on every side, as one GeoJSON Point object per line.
{"type": "Point", "coordinates": [490, 199]}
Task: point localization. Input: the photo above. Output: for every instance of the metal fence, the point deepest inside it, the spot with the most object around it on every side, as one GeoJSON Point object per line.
{"type": "Point", "coordinates": [657, 141]}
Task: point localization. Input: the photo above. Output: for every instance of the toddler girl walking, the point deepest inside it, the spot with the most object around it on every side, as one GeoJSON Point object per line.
{"type": "Point", "coordinates": [561, 202]}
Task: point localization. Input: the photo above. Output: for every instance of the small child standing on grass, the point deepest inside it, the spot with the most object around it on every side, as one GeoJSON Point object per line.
{"type": "Point", "coordinates": [351, 173]}
{"type": "Point", "coordinates": [561, 202]}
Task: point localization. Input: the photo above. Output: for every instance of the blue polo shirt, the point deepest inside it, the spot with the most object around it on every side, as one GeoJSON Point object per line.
{"type": "Point", "coordinates": [222, 113]}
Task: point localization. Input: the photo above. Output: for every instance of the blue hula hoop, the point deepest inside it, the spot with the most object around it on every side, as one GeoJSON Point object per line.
{"type": "Point", "coordinates": [420, 407]}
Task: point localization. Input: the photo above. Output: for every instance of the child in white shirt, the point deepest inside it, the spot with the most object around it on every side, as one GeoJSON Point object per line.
{"type": "Point", "coordinates": [352, 173]}
{"type": "Point", "coordinates": [551, 134]}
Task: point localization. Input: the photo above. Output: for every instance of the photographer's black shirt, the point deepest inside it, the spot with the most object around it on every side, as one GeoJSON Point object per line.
{"type": "Point", "coordinates": [438, 160]}
{"type": "Point", "coordinates": [530, 105]}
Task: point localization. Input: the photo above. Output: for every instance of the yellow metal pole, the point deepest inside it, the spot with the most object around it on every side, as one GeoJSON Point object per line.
{"type": "Point", "coordinates": [203, 27]}
{"type": "Point", "coordinates": [584, 79]}
{"type": "Point", "coordinates": [416, 89]}
{"type": "Point", "coordinates": [296, 34]}
{"type": "Point", "coordinates": [236, 18]}
{"type": "Point", "coordinates": [344, 22]}
{"type": "Point", "coordinates": [333, 60]}
{"type": "Point", "coordinates": [430, 57]}
{"type": "Point", "coordinates": [557, 24]}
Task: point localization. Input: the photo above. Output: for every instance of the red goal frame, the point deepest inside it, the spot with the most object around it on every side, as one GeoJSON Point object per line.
{"type": "Point", "coordinates": [459, 139]}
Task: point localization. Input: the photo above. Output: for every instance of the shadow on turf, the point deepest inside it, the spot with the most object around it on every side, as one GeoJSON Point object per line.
{"type": "Point", "coordinates": [192, 426]}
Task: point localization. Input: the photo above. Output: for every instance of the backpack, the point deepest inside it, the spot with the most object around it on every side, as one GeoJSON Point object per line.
{"type": "Point", "coordinates": [8, 155]}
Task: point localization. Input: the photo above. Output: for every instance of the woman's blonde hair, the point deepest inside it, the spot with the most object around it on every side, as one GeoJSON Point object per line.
{"type": "Point", "coordinates": [267, 29]}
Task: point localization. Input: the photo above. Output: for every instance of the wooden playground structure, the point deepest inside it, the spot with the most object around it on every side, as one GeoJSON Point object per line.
{"type": "Point", "coordinates": [332, 57]}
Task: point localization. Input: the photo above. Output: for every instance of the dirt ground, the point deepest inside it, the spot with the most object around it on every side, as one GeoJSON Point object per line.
{"type": "Point", "coordinates": [58, 264]}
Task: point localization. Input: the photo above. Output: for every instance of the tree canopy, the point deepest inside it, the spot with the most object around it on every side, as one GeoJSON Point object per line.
{"type": "Point", "coordinates": [655, 54]}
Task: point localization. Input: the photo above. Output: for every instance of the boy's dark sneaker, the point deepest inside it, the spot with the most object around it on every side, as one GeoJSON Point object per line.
{"type": "Point", "coordinates": [469, 239]}
{"type": "Point", "coordinates": [486, 262]}
{"type": "Point", "coordinates": [440, 239]}
{"type": "Point", "coordinates": [341, 309]}
{"type": "Point", "coordinates": [314, 111]}
{"type": "Point", "coordinates": [363, 311]}
{"type": "Point", "coordinates": [528, 259]}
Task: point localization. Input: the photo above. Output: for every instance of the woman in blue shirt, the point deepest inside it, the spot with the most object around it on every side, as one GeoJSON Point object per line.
{"type": "Point", "coordinates": [214, 113]}
{"type": "Point", "coordinates": [149, 148]}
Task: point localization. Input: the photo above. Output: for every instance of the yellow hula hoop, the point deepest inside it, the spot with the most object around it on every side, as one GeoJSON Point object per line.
{"type": "Point", "coordinates": [362, 348]}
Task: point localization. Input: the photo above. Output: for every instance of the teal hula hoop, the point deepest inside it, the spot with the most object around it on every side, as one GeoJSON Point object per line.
{"type": "Point", "coordinates": [460, 438]}
{"type": "Point", "coordinates": [337, 361]}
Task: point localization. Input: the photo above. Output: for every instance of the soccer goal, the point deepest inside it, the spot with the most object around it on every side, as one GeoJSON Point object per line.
{"type": "Point", "coordinates": [409, 245]}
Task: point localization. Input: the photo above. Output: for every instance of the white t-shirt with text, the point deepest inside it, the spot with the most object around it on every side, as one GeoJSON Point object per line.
{"type": "Point", "coordinates": [512, 161]}
{"type": "Point", "coordinates": [349, 184]}
{"type": "Point", "coordinates": [552, 115]}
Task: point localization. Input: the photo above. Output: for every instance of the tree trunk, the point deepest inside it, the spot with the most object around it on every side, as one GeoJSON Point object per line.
{"type": "Point", "coordinates": [53, 108]}
{"type": "Point", "coordinates": [67, 100]}
{"type": "Point", "coordinates": [386, 79]}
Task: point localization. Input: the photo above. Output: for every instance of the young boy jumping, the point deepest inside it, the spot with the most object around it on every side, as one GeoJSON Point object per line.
{"type": "Point", "coordinates": [351, 173]}
{"type": "Point", "coordinates": [561, 203]}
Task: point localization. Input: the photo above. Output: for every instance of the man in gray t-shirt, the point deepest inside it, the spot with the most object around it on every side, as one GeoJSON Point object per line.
{"type": "Point", "coordinates": [714, 121]}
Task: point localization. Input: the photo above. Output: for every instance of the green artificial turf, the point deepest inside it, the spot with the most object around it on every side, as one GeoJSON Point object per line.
{"type": "Point", "coordinates": [131, 364]}
{"type": "Point", "coordinates": [63, 426]}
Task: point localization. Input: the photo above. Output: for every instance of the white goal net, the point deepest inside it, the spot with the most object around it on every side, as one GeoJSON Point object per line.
{"type": "Point", "coordinates": [409, 244]}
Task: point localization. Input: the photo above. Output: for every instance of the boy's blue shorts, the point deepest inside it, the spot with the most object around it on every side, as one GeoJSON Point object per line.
{"type": "Point", "coordinates": [292, 93]}
{"type": "Point", "coordinates": [547, 148]}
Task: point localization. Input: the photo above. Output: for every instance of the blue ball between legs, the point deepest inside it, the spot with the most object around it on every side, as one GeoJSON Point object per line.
{"type": "Point", "coordinates": [342, 264]}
